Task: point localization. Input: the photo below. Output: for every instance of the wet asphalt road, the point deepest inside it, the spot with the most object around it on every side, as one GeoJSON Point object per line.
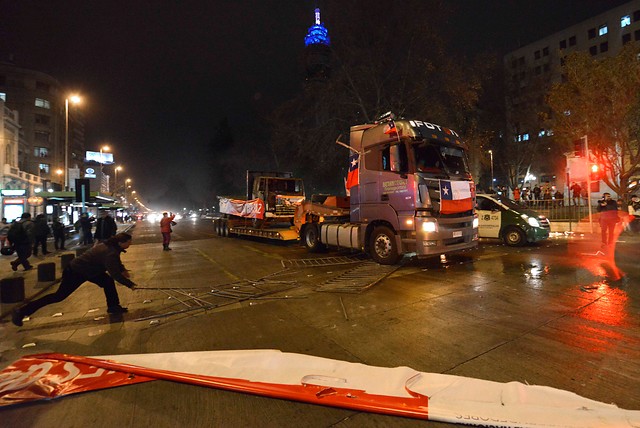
{"type": "Point", "coordinates": [556, 314]}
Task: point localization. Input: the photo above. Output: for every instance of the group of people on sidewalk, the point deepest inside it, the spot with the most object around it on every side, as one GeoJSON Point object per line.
{"type": "Point", "coordinates": [29, 237]}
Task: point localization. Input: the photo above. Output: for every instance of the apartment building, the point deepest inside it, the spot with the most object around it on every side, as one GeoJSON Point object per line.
{"type": "Point", "coordinates": [40, 101]}
{"type": "Point", "coordinates": [531, 69]}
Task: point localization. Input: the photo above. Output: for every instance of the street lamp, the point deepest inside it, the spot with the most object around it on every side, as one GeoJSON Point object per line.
{"type": "Point", "coordinates": [491, 154]}
{"type": "Point", "coordinates": [126, 186]}
{"type": "Point", "coordinates": [106, 149]}
{"type": "Point", "coordinates": [74, 100]}
{"type": "Point", "coordinates": [115, 181]}
{"type": "Point", "coordinates": [102, 180]}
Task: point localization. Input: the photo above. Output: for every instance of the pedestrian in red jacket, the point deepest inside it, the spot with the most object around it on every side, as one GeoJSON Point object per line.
{"type": "Point", "coordinates": [165, 227]}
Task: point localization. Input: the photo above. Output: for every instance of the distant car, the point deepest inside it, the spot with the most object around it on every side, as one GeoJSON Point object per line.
{"type": "Point", "coordinates": [503, 218]}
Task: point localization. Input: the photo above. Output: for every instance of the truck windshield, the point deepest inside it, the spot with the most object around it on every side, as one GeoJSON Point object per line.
{"type": "Point", "coordinates": [285, 187]}
{"type": "Point", "coordinates": [437, 159]}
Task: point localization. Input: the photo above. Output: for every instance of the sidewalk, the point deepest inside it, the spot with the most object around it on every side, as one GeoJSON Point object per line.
{"type": "Point", "coordinates": [33, 287]}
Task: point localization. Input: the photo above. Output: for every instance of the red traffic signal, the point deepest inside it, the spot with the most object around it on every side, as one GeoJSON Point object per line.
{"type": "Point", "coordinates": [595, 172]}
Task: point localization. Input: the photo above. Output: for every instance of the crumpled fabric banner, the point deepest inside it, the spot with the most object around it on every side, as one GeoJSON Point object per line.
{"type": "Point", "coordinates": [399, 391]}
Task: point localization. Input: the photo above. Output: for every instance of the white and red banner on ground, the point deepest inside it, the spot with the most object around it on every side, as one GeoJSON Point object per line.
{"type": "Point", "coordinates": [399, 391]}
{"type": "Point", "coordinates": [237, 207]}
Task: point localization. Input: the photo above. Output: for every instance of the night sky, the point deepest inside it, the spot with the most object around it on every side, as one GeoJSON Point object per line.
{"type": "Point", "coordinates": [157, 77]}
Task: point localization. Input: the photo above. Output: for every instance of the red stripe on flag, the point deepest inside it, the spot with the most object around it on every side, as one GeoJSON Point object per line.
{"type": "Point", "coordinates": [448, 206]}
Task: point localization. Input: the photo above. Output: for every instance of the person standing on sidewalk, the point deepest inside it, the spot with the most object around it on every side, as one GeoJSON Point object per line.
{"type": "Point", "coordinates": [105, 227]}
{"type": "Point", "coordinates": [85, 226]}
{"type": "Point", "coordinates": [58, 234]}
{"type": "Point", "coordinates": [21, 237]}
{"type": "Point", "coordinates": [608, 209]}
{"type": "Point", "coordinates": [101, 265]}
{"type": "Point", "coordinates": [41, 232]}
{"type": "Point", "coordinates": [4, 231]}
{"type": "Point", "coordinates": [165, 227]}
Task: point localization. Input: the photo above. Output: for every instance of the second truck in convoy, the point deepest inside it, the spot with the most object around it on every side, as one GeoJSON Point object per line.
{"type": "Point", "coordinates": [410, 193]}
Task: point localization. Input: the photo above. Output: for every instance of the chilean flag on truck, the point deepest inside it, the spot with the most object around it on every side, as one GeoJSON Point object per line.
{"type": "Point", "coordinates": [456, 196]}
{"type": "Point", "coordinates": [353, 178]}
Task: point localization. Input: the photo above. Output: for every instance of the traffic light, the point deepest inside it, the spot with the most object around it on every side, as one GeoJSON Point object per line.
{"type": "Point", "coordinates": [595, 172]}
{"type": "Point", "coordinates": [578, 147]}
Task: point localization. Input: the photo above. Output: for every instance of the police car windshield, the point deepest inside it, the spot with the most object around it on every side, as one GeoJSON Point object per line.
{"type": "Point", "coordinates": [435, 158]}
{"type": "Point", "coordinates": [510, 203]}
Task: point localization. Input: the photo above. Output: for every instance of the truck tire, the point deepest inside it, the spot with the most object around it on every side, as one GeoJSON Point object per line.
{"type": "Point", "coordinates": [225, 229]}
{"type": "Point", "coordinates": [216, 226]}
{"type": "Point", "coordinates": [514, 236]}
{"type": "Point", "coordinates": [383, 247]}
{"type": "Point", "coordinates": [311, 237]}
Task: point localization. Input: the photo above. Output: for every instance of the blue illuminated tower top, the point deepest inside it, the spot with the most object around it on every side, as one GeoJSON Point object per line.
{"type": "Point", "coordinates": [317, 35]}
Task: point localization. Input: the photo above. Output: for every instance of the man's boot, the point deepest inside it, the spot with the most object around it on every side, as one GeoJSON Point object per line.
{"type": "Point", "coordinates": [164, 247]}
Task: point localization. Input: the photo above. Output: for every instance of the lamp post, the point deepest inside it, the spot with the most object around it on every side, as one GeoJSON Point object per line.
{"type": "Point", "coordinates": [491, 155]}
{"type": "Point", "coordinates": [126, 186]}
{"type": "Point", "coordinates": [102, 180]}
{"type": "Point", "coordinates": [115, 181]}
{"type": "Point", "coordinates": [75, 100]}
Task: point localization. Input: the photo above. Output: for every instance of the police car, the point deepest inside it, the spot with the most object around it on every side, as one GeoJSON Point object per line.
{"type": "Point", "coordinates": [503, 218]}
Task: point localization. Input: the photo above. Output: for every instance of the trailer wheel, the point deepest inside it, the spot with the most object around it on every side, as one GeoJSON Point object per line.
{"type": "Point", "coordinates": [311, 236]}
{"type": "Point", "coordinates": [383, 247]}
{"type": "Point", "coordinates": [514, 237]}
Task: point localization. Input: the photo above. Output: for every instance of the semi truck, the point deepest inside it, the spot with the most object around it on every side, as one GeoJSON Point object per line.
{"type": "Point", "coordinates": [411, 192]}
{"type": "Point", "coordinates": [267, 208]}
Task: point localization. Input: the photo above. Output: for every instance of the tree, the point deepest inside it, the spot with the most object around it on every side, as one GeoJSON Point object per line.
{"type": "Point", "coordinates": [225, 176]}
{"type": "Point", "coordinates": [599, 98]}
{"type": "Point", "coordinates": [384, 59]}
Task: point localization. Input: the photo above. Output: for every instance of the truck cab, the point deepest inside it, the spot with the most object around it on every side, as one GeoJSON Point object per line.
{"type": "Point", "coordinates": [281, 192]}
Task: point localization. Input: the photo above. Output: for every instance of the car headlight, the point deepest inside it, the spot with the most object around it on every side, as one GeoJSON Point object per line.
{"type": "Point", "coordinates": [429, 226]}
{"type": "Point", "coordinates": [533, 222]}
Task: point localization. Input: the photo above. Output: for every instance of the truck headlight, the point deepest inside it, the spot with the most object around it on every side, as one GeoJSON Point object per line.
{"type": "Point", "coordinates": [429, 226]}
{"type": "Point", "coordinates": [476, 222]}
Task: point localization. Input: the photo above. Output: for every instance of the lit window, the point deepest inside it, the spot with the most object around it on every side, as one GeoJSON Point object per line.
{"type": "Point", "coordinates": [40, 152]}
{"type": "Point", "coordinates": [3, 96]}
{"type": "Point", "coordinates": [525, 137]}
{"type": "Point", "coordinates": [542, 133]}
{"type": "Point", "coordinates": [625, 20]}
{"type": "Point", "coordinates": [44, 168]}
{"type": "Point", "coordinates": [550, 132]}
{"type": "Point", "coordinates": [602, 30]}
{"type": "Point", "coordinates": [42, 103]}
{"type": "Point", "coordinates": [567, 112]}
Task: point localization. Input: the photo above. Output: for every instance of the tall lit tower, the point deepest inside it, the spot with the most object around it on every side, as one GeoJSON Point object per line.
{"type": "Point", "coordinates": [317, 51]}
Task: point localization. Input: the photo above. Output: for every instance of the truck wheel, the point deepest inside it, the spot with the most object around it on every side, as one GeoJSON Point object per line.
{"type": "Point", "coordinates": [311, 236]}
{"type": "Point", "coordinates": [225, 229]}
{"type": "Point", "coordinates": [216, 227]}
{"type": "Point", "coordinates": [514, 237]}
{"type": "Point", "coordinates": [383, 247]}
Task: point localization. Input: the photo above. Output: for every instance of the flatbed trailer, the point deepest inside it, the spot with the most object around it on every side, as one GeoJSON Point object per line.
{"type": "Point", "coordinates": [225, 226]}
